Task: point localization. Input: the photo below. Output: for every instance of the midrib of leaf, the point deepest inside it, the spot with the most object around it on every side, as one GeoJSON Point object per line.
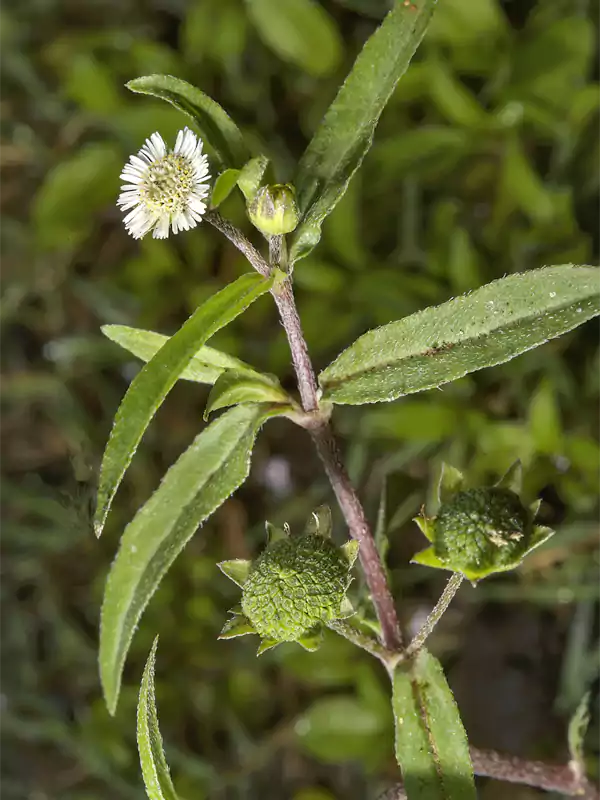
{"type": "Point", "coordinates": [421, 703]}
{"type": "Point", "coordinates": [447, 351]}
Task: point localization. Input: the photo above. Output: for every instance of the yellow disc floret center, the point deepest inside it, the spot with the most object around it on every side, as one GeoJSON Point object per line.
{"type": "Point", "coordinates": [167, 184]}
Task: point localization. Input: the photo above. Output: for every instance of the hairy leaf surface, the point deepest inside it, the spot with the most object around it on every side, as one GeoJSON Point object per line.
{"type": "Point", "coordinates": [431, 743]}
{"type": "Point", "coordinates": [234, 387]}
{"type": "Point", "coordinates": [207, 473]}
{"type": "Point", "coordinates": [345, 135]}
{"type": "Point", "coordinates": [205, 366]}
{"type": "Point", "coordinates": [155, 771]}
{"type": "Point", "coordinates": [442, 343]}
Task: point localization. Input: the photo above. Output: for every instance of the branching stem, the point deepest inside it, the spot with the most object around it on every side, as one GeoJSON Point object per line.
{"type": "Point", "coordinates": [550, 777]}
{"type": "Point", "coordinates": [435, 615]}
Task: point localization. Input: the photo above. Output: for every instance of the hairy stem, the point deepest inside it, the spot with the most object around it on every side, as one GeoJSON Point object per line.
{"type": "Point", "coordinates": [360, 639]}
{"type": "Point", "coordinates": [435, 615]}
{"type": "Point", "coordinates": [329, 454]}
{"type": "Point", "coordinates": [358, 526]}
{"type": "Point", "coordinates": [562, 778]}
{"type": "Point", "coordinates": [237, 238]}
{"type": "Point", "coordinates": [321, 432]}
{"type": "Point", "coordinates": [307, 383]}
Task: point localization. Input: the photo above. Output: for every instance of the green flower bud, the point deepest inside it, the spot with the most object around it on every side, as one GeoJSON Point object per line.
{"type": "Point", "coordinates": [480, 531]}
{"type": "Point", "coordinates": [297, 585]}
{"type": "Point", "coordinates": [273, 210]}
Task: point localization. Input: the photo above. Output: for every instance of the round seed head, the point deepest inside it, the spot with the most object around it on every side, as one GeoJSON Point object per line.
{"type": "Point", "coordinates": [294, 585]}
{"type": "Point", "coordinates": [482, 528]}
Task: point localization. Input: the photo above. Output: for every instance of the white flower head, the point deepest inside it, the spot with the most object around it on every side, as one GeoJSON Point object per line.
{"type": "Point", "coordinates": [165, 189]}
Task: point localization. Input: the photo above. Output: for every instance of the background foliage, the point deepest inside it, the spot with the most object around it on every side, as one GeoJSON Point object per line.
{"type": "Point", "coordinates": [486, 162]}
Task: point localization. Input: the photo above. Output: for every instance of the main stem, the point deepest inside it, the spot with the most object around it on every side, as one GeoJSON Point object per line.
{"type": "Point", "coordinates": [320, 429]}
{"type": "Point", "coordinates": [327, 448]}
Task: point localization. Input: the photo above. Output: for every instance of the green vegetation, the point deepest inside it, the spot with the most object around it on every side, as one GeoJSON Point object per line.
{"type": "Point", "coordinates": [485, 163]}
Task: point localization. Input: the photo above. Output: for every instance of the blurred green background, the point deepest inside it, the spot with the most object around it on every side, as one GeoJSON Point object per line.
{"type": "Point", "coordinates": [485, 162]}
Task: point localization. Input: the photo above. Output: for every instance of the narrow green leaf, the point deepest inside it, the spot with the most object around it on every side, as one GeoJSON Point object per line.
{"type": "Point", "coordinates": [205, 366]}
{"type": "Point", "coordinates": [431, 743]}
{"type": "Point", "coordinates": [213, 122]}
{"type": "Point", "coordinates": [440, 344]}
{"type": "Point", "coordinates": [156, 379]}
{"type": "Point", "coordinates": [209, 471]}
{"type": "Point", "coordinates": [298, 31]}
{"type": "Point", "coordinates": [346, 132]}
{"type": "Point", "coordinates": [155, 770]}
{"type": "Point", "coordinates": [224, 185]}
{"type": "Point", "coordinates": [232, 388]}
{"type": "Point", "coordinates": [413, 748]}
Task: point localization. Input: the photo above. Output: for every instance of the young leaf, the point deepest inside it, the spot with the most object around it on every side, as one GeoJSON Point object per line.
{"type": "Point", "coordinates": [156, 379]}
{"type": "Point", "coordinates": [209, 471]}
{"type": "Point", "coordinates": [205, 367]}
{"type": "Point", "coordinates": [346, 132]}
{"type": "Point", "coordinates": [440, 344]}
{"type": "Point", "coordinates": [234, 387]}
{"type": "Point", "coordinates": [431, 743]}
{"type": "Point", "coordinates": [213, 122]}
{"type": "Point", "coordinates": [223, 187]}
{"type": "Point", "coordinates": [155, 771]}
{"type": "Point", "coordinates": [251, 176]}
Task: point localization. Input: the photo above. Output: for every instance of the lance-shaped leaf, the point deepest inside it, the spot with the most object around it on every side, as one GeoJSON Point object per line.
{"type": "Point", "coordinates": [214, 124]}
{"type": "Point", "coordinates": [156, 379]}
{"type": "Point", "coordinates": [155, 770]}
{"type": "Point", "coordinates": [346, 132]}
{"type": "Point", "coordinates": [443, 343]}
{"type": "Point", "coordinates": [431, 743]}
{"type": "Point", "coordinates": [233, 388]}
{"type": "Point", "coordinates": [209, 471]}
{"type": "Point", "coordinates": [204, 367]}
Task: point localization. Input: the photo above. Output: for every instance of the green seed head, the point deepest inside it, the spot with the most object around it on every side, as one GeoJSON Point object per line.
{"type": "Point", "coordinates": [297, 583]}
{"type": "Point", "coordinates": [481, 529]}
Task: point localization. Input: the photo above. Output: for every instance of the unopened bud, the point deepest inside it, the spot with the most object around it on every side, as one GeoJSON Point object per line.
{"type": "Point", "coordinates": [273, 210]}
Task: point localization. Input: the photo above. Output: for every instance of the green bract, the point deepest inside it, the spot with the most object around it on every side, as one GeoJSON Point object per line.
{"type": "Point", "coordinates": [480, 531]}
{"type": "Point", "coordinates": [295, 586]}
